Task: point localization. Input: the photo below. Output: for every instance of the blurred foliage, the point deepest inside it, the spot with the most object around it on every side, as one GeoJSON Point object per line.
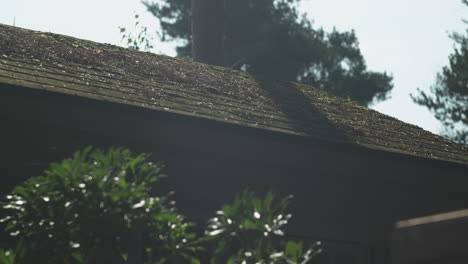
{"type": "Point", "coordinates": [97, 208]}
{"type": "Point", "coordinates": [84, 209]}
{"type": "Point", "coordinates": [272, 39]}
{"type": "Point", "coordinates": [250, 231]}
{"type": "Point", "coordinates": [7, 257]}
{"type": "Point", "coordinates": [142, 41]}
{"type": "Point", "coordinates": [448, 97]}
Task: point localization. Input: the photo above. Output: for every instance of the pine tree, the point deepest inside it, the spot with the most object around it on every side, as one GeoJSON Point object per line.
{"type": "Point", "coordinates": [448, 97]}
{"type": "Point", "coordinates": [272, 39]}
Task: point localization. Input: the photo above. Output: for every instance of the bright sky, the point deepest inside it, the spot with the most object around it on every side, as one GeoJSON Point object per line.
{"type": "Point", "coordinates": [407, 38]}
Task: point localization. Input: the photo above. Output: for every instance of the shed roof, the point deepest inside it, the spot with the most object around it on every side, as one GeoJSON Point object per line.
{"type": "Point", "coordinates": [68, 65]}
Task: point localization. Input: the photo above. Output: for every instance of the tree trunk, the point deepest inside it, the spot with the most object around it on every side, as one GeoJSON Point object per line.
{"type": "Point", "coordinates": [208, 31]}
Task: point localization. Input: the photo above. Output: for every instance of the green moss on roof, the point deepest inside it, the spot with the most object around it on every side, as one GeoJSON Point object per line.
{"type": "Point", "coordinates": [105, 72]}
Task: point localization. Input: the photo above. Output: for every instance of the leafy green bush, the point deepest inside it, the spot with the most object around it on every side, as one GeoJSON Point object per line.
{"type": "Point", "coordinates": [249, 231]}
{"type": "Point", "coordinates": [97, 208]}
{"type": "Point", "coordinates": [85, 209]}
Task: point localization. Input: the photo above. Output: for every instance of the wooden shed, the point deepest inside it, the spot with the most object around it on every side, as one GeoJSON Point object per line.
{"type": "Point", "coordinates": [353, 171]}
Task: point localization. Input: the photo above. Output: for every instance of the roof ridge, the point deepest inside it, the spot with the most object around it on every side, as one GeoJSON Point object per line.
{"type": "Point", "coordinates": [63, 64]}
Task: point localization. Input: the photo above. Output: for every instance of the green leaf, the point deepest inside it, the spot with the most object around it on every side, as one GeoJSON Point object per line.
{"type": "Point", "coordinates": [194, 261]}
{"type": "Point", "coordinates": [293, 250]}
{"type": "Point", "coordinates": [7, 256]}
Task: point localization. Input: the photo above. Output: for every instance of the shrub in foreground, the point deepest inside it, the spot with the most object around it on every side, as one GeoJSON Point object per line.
{"type": "Point", "coordinates": [97, 207]}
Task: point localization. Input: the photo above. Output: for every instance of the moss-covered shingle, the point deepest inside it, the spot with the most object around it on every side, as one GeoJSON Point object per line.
{"type": "Point", "coordinates": [62, 64]}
